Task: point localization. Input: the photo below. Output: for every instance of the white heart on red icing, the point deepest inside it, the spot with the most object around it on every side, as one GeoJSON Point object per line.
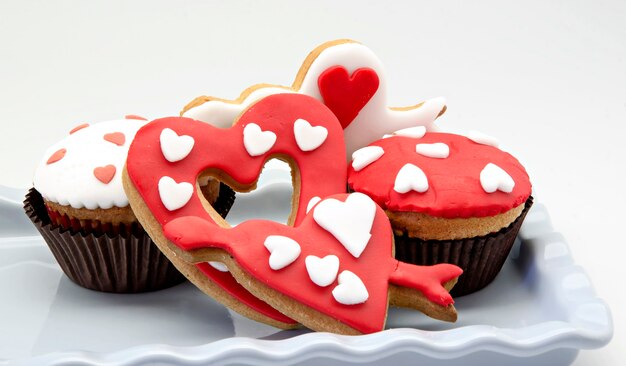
{"type": "Point", "coordinates": [308, 137]}
{"type": "Point", "coordinates": [175, 147]}
{"type": "Point", "coordinates": [437, 150]}
{"type": "Point", "coordinates": [410, 178]}
{"type": "Point", "coordinates": [312, 202]}
{"type": "Point", "coordinates": [256, 141]}
{"type": "Point", "coordinates": [482, 138]}
{"type": "Point", "coordinates": [174, 195]}
{"type": "Point", "coordinates": [351, 290]}
{"type": "Point", "coordinates": [283, 251]}
{"type": "Point", "coordinates": [322, 271]}
{"type": "Point", "coordinates": [494, 178]}
{"type": "Point", "coordinates": [365, 156]}
{"type": "Point", "coordinates": [350, 222]}
{"type": "Point", "coordinates": [219, 266]}
{"type": "Point", "coordinates": [414, 132]}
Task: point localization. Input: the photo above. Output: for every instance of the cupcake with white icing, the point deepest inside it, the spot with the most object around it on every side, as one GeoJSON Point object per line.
{"type": "Point", "coordinates": [79, 206]}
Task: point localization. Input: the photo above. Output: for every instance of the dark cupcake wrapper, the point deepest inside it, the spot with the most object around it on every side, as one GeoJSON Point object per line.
{"type": "Point", "coordinates": [481, 258]}
{"type": "Point", "coordinates": [225, 200]}
{"type": "Point", "coordinates": [126, 262]}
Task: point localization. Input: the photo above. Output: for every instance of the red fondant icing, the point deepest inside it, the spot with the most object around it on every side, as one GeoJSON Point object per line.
{"type": "Point", "coordinates": [134, 116]}
{"type": "Point", "coordinates": [376, 266]}
{"type": "Point", "coordinates": [116, 138]}
{"type": "Point", "coordinates": [322, 171]}
{"type": "Point", "coordinates": [56, 156]}
{"type": "Point", "coordinates": [79, 127]}
{"type": "Point", "coordinates": [454, 188]}
{"type": "Point", "coordinates": [346, 94]}
{"type": "Point", "coordinates": [104, 173]}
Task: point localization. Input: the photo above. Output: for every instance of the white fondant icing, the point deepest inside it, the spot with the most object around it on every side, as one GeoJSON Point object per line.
{"type": "Point", "coordinates": [351, 290]}
{"type": "Point", "coordinates": [365, 156]}
{"type": "Point", "coordinates": [410, 178]}
{"type": "Point", "coordinates": [219, 266]}
{"type": "Point", "coordinates": [71, 181]}
{"type": "Point", "coordinates": [173, 146]}
{"type": "Point", "coordinates": [322, 271]}
{"type": "Point", "coordinates": [373, 121]}
{"type": "Point", "coordinates": [174, 195]}
{"type": "Point", "coordinates": [256, 141]}
{"type": "Point", "coordinates": [312, 202]}
{"type": "Point", "coordinates": [308, 137]}
{"type": "Point", "coordinates": [415, 132]}
{"type": "Point", "coordinates": [283, 251]}
{"type": "Point", "coordinates": [385, 136]}
{"type": "Point", "coordinates": [438, 150]}
{"type": "Point", "coordinates": [482, 138]}
{"type": "Point", "coordinates": [494, 178]}
{"type": "Point", "coordinates": [350, 222]}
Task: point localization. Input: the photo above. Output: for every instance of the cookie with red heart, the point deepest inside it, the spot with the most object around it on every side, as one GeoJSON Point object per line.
{"type": "Point", "coordinates": [349, 79]}
{"type": "Point", "coordinates": [331, 268]}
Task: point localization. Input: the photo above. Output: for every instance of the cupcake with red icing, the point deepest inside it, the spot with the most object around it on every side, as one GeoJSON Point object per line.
{"type": "Point", "coordinates": [79, 206]}
{"type": "Point", "coordinates": [450, 199]}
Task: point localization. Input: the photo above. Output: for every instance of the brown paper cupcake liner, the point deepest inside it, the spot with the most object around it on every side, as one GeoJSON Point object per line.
{"type": "Point", "coordinates": [481, 258]}
{"type": "Point", "coordinates": [225, 200]}
{"type": "Point", "coordinates": [127, 262]}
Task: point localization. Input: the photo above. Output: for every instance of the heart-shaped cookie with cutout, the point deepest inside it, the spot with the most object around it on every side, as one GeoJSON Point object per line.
{"type": "Point", "coordinates": [168, 155]}
{"type": "Point", "coordinates": [267, 259]}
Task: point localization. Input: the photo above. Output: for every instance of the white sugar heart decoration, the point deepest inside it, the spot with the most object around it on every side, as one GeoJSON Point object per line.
{"type": "Point", "coordinates": [174, 195]}
{"type": "Point", "coordinates": [414, 132]}
{"type": "Point", "coordinates": [219, 266]}
{"type": "Point", "coordinates": [494, 178]}
{"type": "Point", "coordinates": [350, 222]}
{"type": "Point", "coordinates": [437, 150]}
{"type": "Point", "coordinates": [410, 178]}
{"type": "Point", "coordinates": [482, 138]}
{"type": "Point", "coordinates": [312, 202]}
{"type": "Point", "coordinates": [322, 271]}
{"type": "Point", "coordinates": [283, 251]}
{"type": "Point", "coordinates": [351, 290]}
{"type": "Point", "coordinates": [175, 147]}
{"type": "Point", "coordinates": [256, 141]}
{"type": "Point", "coordinates": [365, 156]}
{"type": "Point", "coordinates": [308, 137]}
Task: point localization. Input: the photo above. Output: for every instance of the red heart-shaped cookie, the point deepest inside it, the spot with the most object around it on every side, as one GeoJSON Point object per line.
{"type": "Point", "coordinates": [235, 156]}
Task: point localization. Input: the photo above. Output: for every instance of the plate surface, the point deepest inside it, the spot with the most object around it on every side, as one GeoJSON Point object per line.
{"type": "Point", "coordinates": [541, 309]}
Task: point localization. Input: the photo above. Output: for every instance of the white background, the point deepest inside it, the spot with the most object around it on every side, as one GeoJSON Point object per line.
{"type": "Point", "coordinates": [547, 78]}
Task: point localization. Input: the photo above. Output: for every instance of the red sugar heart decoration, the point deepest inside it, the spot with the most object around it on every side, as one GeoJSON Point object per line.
{"type": "Point", "coordinates": [117, 138]}
{"type": "Point", "coordinates": [79, 127]}
{"type": "Point", "coordinates": [345, 94]}
{"type": "Point", "coordinates": [134, 116]}
{"type": "Point", "coordinates": [104, 173]}
{"type": "Point", "coordinates": [58, 155]}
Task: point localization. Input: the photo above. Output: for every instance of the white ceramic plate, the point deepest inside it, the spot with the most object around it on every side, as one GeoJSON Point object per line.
{"type": "Point", "coordinates": [541, 310]}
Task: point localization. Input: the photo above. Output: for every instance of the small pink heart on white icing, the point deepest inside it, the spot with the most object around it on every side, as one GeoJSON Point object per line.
{"type": "Point", "coordinates": [414, 132]}
{"type": "Point", "coordinates": [494, 178]}
{"type": "Point", "coordinates": [410, 178]}
{"type": "Point", "coordinates": [256, 141]}
{"type": "Point", "coordinates": [174, 195]}
{"type": "Point", "coordinates": [365, 156]}
{"type": "Point", "coordinates": [175, 147]}
{"type": "Point", "coordinates": [322, 271]}
{"type": "Point", "coordinates": [219, 266]}
{"type": "Point", "coordinates": [350, 222]}
{"type": "Point", "coordinates": [481, 138]}
{"type": "Point", "coordinates": [351, 290]}
{"type": "Point", "coordinates": [308, 137]}
{"type": "Point", "coordinates": [312, 202]}
{"type": "Point", "coordinates": [283, 251]}
{"type": "Point", "coordinates": [437, 150]}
